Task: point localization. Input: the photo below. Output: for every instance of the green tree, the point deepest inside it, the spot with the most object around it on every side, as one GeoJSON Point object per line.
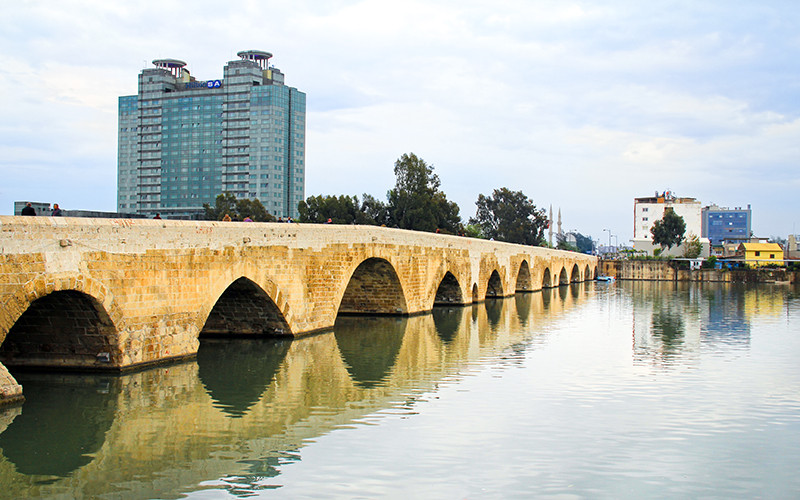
{"type": "Point", "coordinates": [510, 216]}
{"type": "Point", "coordinates": [668, 231]}
{"type": "Point", "coordinates": [583, 244]}
{"type": "Point", "coordinates": [692, 248]}
{"type": "Point", "coordinates": [225, 203]}
{"type": "Point", "coordinates": [416, 201]}
{"type": "Point", "coordinates": [374, 211]}
{"type": "Point", "coordinates": [236, 208]}
{"type": "Point", "coordinates": [474, 231]}
{"type": "Point", "coordinates": [340, 209]}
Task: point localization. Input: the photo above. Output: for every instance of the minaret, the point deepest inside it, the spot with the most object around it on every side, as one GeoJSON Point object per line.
{"type": "Point", "coordinates": [550, 225]}
{"type": "Point", "coordinates": [560, 234]}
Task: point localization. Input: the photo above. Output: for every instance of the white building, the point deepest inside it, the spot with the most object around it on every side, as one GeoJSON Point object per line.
{"type": "Point", "coordinates": [646, 211]}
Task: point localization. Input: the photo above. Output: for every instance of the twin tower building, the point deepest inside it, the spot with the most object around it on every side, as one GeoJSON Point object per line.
{"type": "Point", "coordinates": [183, 141]}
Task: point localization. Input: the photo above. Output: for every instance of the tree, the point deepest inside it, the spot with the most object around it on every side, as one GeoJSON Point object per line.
{"type": "Point", "coordinates": [510, 216]}
{"type": "Point", "coordinates": [692, 248]}
{"type": "Point", "coordinates": [342, 210]}
{"type": "Point", "coordinates": [583, 244]}
{"type": "Point", "coordinates": [416, 201]}
{"type": "Point", "coordinates": [374, 211]}
{"type": "Point", "coordinates": [668, 231]}
{"type": "Point", "coordinates": [237, 208]}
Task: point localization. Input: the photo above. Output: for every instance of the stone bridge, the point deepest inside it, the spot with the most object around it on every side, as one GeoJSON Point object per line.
{"type": "Point", "coordinates": [114, 294]}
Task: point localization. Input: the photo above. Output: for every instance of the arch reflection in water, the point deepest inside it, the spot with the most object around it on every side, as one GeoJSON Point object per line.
{"type": "Point", "coordinates": [494, 312]}
{"type": "Point", "coordinates": [447, 321]}
{"type": "Point", "coordinates": [523, 302]}
{"type": "Point", "coordinates": [63, 422]}
{"type": "Point", "coordinates": [236, 374]}
{"type": "Point", "coordinates": [369, 346]}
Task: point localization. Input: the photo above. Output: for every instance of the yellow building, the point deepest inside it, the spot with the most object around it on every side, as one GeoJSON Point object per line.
{"type": "Point", "coordinates": [760, 254]}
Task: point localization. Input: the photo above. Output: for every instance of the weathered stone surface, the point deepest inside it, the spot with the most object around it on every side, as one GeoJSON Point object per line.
{"type": "Point", "coordinates": [152, 286]}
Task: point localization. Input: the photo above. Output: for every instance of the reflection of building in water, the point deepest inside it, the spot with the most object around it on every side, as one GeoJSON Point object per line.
{"type": "Point", "coordinates": [244, 408]}
{"type": "Point", "coordinates": [664, 328]}
{"type": "Point", "coordinates": [681, 317]}
{"type": "Point", "coordinates": [724, 319]}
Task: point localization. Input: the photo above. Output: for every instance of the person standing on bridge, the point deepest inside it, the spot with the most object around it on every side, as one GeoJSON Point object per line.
{"type": "Point", "coordinates": [227, 218]}
{"type": "Point", "coordinates": [28, 210]}
{"type": "Point", "coordinates": [56, 211]}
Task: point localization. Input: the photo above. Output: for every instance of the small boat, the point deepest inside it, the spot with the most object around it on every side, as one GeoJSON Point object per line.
{"type": "Point", "coordinates": [606, 278]}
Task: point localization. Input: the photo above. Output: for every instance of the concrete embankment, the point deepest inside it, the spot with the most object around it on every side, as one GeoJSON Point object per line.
{"type": "Point", "coordinates": [662, 270]}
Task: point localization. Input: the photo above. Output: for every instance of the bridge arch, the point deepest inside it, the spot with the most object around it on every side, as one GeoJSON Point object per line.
{"type": "Point", "coordinates": [587, 274]}
{"type": "Point", "coordinates": [494, 287]}
{"type": "Point", "coordinates": [575, 276]}
{"type": "Point", "coordinates": [547, 281]}
{"type": "Point", "coordinates": [254, 281]}
{"type": "Point", "coordinates": [65, 328]}
{"type": "Point", "coordinates": [475, 296]}
{"type": "Point", "coordinates": [449, 291]}
{"type": "Point", "coordinates": [67, 312]}
{"type": "Point", "coordinates": [244, 308]}
{"type": "Point", "coordinates": [373, 288]}
{"type": "Point", "coordinates": [563, 279]}
{"type": "Point", "coordinates": [523, 277]}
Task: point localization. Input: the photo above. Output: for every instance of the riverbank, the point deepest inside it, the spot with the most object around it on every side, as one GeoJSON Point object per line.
{"type": "Point", "coordinates": [663, 270]}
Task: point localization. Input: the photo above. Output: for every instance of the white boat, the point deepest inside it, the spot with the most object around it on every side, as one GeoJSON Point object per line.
{"type": "Point", "coordinates": [606, 278]}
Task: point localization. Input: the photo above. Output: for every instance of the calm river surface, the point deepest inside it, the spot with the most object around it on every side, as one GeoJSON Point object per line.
{"type": "Point", "coordinates": [624, 390]}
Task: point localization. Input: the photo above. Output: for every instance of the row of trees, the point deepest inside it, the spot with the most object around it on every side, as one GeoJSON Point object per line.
{"type": "Point", "coordinates": [415, 202]}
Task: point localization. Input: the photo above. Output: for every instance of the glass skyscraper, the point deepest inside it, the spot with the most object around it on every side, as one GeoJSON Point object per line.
{"type": "Point", "coordinates": [182, 141]}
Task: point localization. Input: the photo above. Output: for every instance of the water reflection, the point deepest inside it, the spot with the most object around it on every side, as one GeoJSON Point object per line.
{"type": "Point", "coordinates": [447, 320]}
{"type": "Point", "coordinates": [236, 374]}
{"type": "Point", "coordinates": [676, 319]}
{"type": "Point", "coordinates": [62, 424]}
{"type": "Point", "coordinates": [244, 409]}
{"type": "Point", "coordinates": [369, 346]}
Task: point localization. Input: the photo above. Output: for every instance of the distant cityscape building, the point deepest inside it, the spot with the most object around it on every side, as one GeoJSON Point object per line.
{"type": "Point", "coordinates": [726, 225]}
{"type": "Point", "coordinates": [182, 141]}
{"type": "Point", "coordinates": [648, 210]}
{"type": "Point", "coordinates": [44, 209]}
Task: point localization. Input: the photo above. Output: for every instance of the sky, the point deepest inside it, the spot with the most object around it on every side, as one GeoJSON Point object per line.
{"type": "Point", "coordinates": [581, 105]}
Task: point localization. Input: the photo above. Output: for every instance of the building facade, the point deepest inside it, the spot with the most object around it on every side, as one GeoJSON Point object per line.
{"type": "Point", "coordinates": [760, 254]}
{"type": "Point", "coordinates": [721, 225]}
{"type": "Point", "coordinates": [648, 210]}
{"type": "Point", "coordinates": [182, 141]}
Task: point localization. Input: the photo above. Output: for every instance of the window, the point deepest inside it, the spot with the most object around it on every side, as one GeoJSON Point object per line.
{"type": "Point", "coordinates": [758, 254]}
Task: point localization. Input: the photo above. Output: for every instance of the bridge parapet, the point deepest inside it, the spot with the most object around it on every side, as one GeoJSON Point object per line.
{"type": "Point", "coordinates": [143, 291]}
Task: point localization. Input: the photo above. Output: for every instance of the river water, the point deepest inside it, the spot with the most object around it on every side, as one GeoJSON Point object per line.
{"type": "Point", "coordinates": [595, 390]}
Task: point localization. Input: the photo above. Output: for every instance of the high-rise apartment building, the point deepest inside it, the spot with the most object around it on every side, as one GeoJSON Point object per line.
{"type": "Point", "coordinates": [182, 141]}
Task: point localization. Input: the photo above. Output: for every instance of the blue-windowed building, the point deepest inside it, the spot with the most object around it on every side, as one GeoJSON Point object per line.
{"type": "Point", "coordinates": [721, 225]}
{"type": "Point", "coordinates": [183, 141]}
